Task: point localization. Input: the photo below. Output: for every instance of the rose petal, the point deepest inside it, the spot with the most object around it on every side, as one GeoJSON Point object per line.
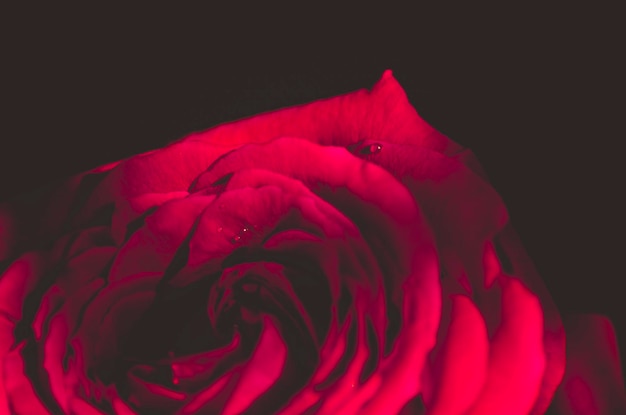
{"type": "Point", "coordinates": [85, 267]}
{"type": "Point", "coordinates": [151, 248]}
{"type": "Point", "coordinates": [21, 397]}
{"type": "Point", "coordinates": [17, 281]}
{"type": "Point", "coordinates": [554, 333]}
{"type": "Point", "coordinates": [516, 355]}
{"type": "Point", "coordinates": [261, 371]}
{"type": "Point", "coordinates": [343, 120]}
{"type": "Point", "coordinates": [384, 207]}
{"type": "Point", "coordinates": [152, 397]}
{"type": "Point", "coordinates": [461, 365]}
{"type": "Point", "coordinates": [593, 382]}
{"type": "Point", "coordinates": [6, 341]}
{"type": "Point", "coordinates": [111, 314]}
{"type": "Point", "coordinates": [129, 210]}
{"type": "Point", "coordinates": [465, 211]}
{"type": "Point", "coordinates": [95, 237]}
{"type": "Point", "coordinates": [54, 354]}
{"type": "Point", "coordinates": [206, 396]}
{"type": "Point", "coordinates": [121, 408]}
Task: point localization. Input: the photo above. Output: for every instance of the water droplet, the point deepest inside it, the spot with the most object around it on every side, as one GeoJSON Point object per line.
{"type": "Point", "coordinates": [352, 385]}
{"type": "Point", "coordinates": [220, 229]}
{"type": "Point", "coordinates": [371, 149]}
{"type": "Point", "coordinates": [244, 231]}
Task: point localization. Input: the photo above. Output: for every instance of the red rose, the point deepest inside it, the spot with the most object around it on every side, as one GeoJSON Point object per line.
{"type": "Point", "coordinates": [336, 257]}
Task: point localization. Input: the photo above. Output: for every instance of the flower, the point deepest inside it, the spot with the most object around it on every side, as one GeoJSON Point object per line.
{"type": "Point", "coordinates": [336, 257]}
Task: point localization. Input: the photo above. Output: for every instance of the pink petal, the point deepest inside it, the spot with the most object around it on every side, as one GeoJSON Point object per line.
{"type": "Point", "coordinates": [516, 356]}
{"type": "Point", "coordinates": [6, 341]}
{"type": "Point", "coordinates": [593, 383]}
{"type": "Point", "coordinates": [17, 281]}
{"type": "Point", "coordinates": [54, 353]}
{"type": "Point", "coordinates": [261, 372]}
{"type": "Point", "coordinates": [205, 397]}
{"type": "Point", "coordinates": [461, 364]}
{"type": "Point", "coordinates": [151, 248]}
{"type": "Point", "coordinates": [469, 218]}
{"type": "Point", "coordinates": [554, 333]}
{"type": "Point", "coordinates": [128, 210]}
{"type": "Point", "coordinates": [22, 398]}
{"type": "Point", "coordinates": [152, 397]}
{"type": "Point", "coordinates": [340, 121]}
{"type": "Point", "coordinates": [121, 408]}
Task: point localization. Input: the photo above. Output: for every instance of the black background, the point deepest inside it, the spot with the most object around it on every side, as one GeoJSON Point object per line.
{"type": "Point", "coordinates": [533, 90]}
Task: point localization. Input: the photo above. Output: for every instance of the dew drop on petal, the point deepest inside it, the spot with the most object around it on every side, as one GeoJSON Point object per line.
{"type": "Point", "coordinates": [244, 231]}
{"type": "Point", "coordinates": [371, 149]}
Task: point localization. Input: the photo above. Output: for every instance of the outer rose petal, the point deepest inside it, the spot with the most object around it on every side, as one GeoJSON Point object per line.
{"type": "Point", "coordinates": [469, 218]}
{"type": "Point", "coordinates": [554, 333]}
{"type": "Point", "coordinates": [593, 383]}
